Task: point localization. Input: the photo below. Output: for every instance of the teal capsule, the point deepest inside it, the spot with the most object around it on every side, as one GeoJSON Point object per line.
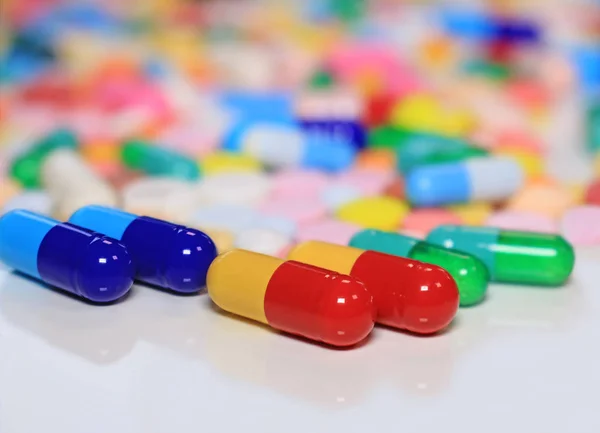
{"type": "Point", "coordinates": [158, 161]}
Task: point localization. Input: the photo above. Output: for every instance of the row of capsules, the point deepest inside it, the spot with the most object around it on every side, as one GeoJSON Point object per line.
{"type": "Point", "coordinates": [468, 181]}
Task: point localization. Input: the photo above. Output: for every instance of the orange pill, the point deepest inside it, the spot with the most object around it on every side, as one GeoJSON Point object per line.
{"type": "Point", "coordinates": [543, 197]}
{"type": "Point", "coordinates": [380, 159]}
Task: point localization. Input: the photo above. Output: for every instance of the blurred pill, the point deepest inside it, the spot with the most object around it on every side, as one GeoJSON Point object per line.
{"type": "Point", "coordinates": [225, 217]}
{"type": "Point", "coordinates": [474, 214]}
{"type": "Point", "coordinates": [550, 199]}
{"type": "Point", "coordinates": [37, 201]}
{"type": "Point", "coordinates": [523, 221]}
{"type": "Point", "coordinates": [581, 225]}
{"type": "Point", "coordinates": [158, 161]}
{"type": "Point", "coordinates": [384, 213]}
{"type": "Point", "coordinates": [299, 210]}
{"type": "Point", "coordinates": [298, 183]}
{"type": "Point", "coordinates": [368, 182]}
{"type": "Point", "coordinates": [336, 195]}
{"type": "Point", "coordinates": [235, 188]}
{"type": "Point", "coordinates": [422, 221]}
{"type": "Point", "coordinates": [328, 230]}
{"type": "Point", "coordinates": [592, 193]}
{"type": "Point", "coordinates": [262, 240]}
{"type": "Point", "coordinates": [221, 162]}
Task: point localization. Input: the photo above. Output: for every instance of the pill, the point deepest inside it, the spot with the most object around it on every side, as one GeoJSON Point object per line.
{"type": "Point", "coordinates": [592, 193]}
{"type": "Point", "coordinates": [218, 162]}
{"type": "Point", "coordinates": [487, 179]}
{"type": "Point", "coordinates": [281, 145]}
{"type": "Point", "coordinates": [377, 159]}
{"type": "Point", "coordinates": [262, 240]}
{"type": "Point", "coordinates": [388, 137]}
{"type": "Point", "coordinates": [158, 161]}
{"type": "Point", "coordinates": [26, 167]}
{"type": "Point", "coordinates": [327, 230]}
{"type": "Point", "coordinates": [592, 126]}
{"type": "Point", "coordinates": [369, 182]}
{"type": "Point", "coordinates": [428, 149]}
{"type": "Point", "coordinates": [512, 256]}
{"type": "Point", "coordinates": [163, 198]}
{"type": "Point", "coordinates": [336, 195]}
{"type": "Point", "coordinates": [385, 213]}
{"type": "Point", "coordinates": [543, 197]}
{"type": "Point", "coordinates": [581, 225]}
{"type": "Point", "coordinates": [72, 184]}
{"type": "Point", "coordinates": [408, 295]}
{"type": "Point", "coordinates": [79, 261]}
{"type": "Point", "coordinates": [531, 163]}
{"type": "Point", "coordinates": [348, 131]}
{"type": "Point", "coordinates": [164, 254]}
{"type": "Point", "coordinates": [469, 272]}
{"type": "Point", "coordinates": [227, 217]}
{"type": "Point", "coordinates": [234, 188]}
{"type": "Point", "coordinates": [301, 210]}
{"type": "Point", "coordinates": [293, 297]}
{"type": "Point", "coordinates": [34, 200]}
{"type": "Point", "coordinates": [474, 213]}
{"type": "Point", "coordinates": [524, 221]}
{"type": "Point", "coordinates": [298, 183]}
{"type": "Point", "coordinates": [424, 220]}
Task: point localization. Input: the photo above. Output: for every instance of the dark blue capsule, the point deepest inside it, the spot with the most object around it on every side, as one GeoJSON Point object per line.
{"type": "Point", "coordinates": [71, 258]}
{"type": "Point", "coordinates": [164, 254]}
{"type": "Point", "coordinates": [348, 131]}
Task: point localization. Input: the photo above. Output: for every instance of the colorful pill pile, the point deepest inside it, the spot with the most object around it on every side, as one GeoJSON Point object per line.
{"type": "Point", "coordinates": [318, 169]}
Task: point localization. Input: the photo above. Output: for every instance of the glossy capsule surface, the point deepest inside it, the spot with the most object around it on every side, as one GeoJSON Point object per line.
{"type": "Point", "coordinates": [470, 273]}
{"type": "Point", "coordinates": [158, 161]}
{"type": "Point", "coordinates": [80, 261]}
{"type": "Point", "coordinates": [297, 298]}
{"type": "Point", "coordinates": [164, 254]}
{"type": "Point", "coordinates": [512, 256]}
{"type": "Point", "coordinates": [408, 294]}
{"type": "Point", "coordinates": [486, 179]}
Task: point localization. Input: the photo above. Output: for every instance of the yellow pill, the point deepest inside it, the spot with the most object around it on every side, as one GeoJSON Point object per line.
{"type": "Point", "coordinates": [101, 152]}
{"type": "Point", "coordinates": [420, 112]}
{"type": "Point", "coordinates": [531, 163]}
{"type": "Point", "coordinates": [456, 123]}
{"type": "Point", "coordinates": [220, 162]}
{"type": "Point", "coordinates": [384, 213]}
{"type": "Point", "coordinates": [472, 213]}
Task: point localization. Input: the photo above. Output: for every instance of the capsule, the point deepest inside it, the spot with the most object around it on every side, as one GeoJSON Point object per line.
{"type": "Point", "coordinates": [164, 254]}
{"type": "Point", "coordinates": [71, 184]}
{"type": "Point", "coordinates": [63, 255]}
{"type": "Point", "coordinates": [593, 126]}
{"type": "Point", "coordinates": [512, 256]}
{"type": "Point", "coordinates": [485, 179]}
{"type": "Point", "coordinates": [297, 298]}
{"type": "Point", "coordinates": [350, 131]}
{"type": "Point", "coordinates": [281, 144]}
{"type": "Point", "coordinates": [470, 273]}
{"type": "Point", "coordinates": [26, 168]}
{"type": "Point", "coordinates": [428, 149]}
{"type": "Point", "coordinates": [408, 295]}
{"type": "Point", "coordinates": [158, 161]}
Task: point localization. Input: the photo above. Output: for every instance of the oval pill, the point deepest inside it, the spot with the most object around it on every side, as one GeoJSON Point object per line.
{"type": "Point", "coordinates": [408, 295]}
{"type": "Point", "coordinates": [512, 256]}
{"type": "Point", "coordinates": [164, 254]}
{"type": "Point", "coordinates": [304, 300]}
{"type": "Point", "coordinates": [79, 261]}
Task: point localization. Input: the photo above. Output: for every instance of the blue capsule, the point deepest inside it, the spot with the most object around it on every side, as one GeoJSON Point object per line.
{"type": "Point", "coordinates": [71, 258]}
{"type": "Point", "coordinates": [164, 254]}
{"type": "Point", "coordinates": [348, 131]}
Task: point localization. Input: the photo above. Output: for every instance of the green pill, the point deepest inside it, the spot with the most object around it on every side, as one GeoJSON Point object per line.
{"type": "Point", "coordinates": [593, 126]}
{"type": "Point", "coordinates": [487, 69]}
{"type": "Point", "coordinates": [470, 273]}
{"type": "Point", "coordinates": [26, 167]}
{"type": "Point", "coordinates": [512, 256]}
{"type": "Point", "coordinates": [158, 161]}
{"type": "Point", "coordinates": [428, 149]}
{"type": "Point", "coordinates": [390, 137]}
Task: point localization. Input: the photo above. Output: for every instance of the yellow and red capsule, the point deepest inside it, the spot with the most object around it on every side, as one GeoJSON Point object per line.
{"type": "Point", "coordinates": [408, 294]}
{"type": "Point", "coordinates": [294, 297]}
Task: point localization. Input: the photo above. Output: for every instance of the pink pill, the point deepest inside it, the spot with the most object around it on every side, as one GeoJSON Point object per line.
{"type": "Point", "coordinates": [296, 183]}
{"type": "Point", "coordinates": [299, 210]}
{"type": "Point", "coordinates": [368, 182]}
{"type": "Point", "coordinates": [581, 225]}
{"type": "Point", "coordinates": [422, 221]}
{"type": "Point", "coordinates": [526, 221]}
{"type": "Point", "coordinates": [192, 141]}
{"type": "Point", "coordinates": [328, 230]}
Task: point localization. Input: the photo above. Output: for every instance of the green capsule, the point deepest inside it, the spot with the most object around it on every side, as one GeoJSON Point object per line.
{"type": "Point", "coordinates": [470, 273]}
{"type": "Point", "coordinates": [158, 161]}
{"type": "Point", "coordinates": [593, 126]}
{"type": "Point", "coordinates": [390, 137]}
{"type": "Point", "coordinates": [512, 256]}
{"type": "Point", "coordinates": [485, 68]}
{"type": "Point", "coordinates": [428, 149]}
{"type": "Point", "coordinates": [322, 79]}
{"type": "Point", "coordinates": [26, 168]}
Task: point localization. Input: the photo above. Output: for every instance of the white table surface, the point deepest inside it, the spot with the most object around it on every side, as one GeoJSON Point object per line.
{"type": "Point", "coordinates": [527, 360]}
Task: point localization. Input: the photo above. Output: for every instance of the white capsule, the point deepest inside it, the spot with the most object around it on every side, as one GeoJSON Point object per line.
{"type": "Point", "coordinates": [71, 183]}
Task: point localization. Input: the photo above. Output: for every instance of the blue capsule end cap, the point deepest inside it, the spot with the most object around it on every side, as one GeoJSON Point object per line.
{"type": "Point", "coordinates": [191, 254]}
{"type": "Point", "coordinates": [329, 155]}
{"type": "Point", "coordinates": [106, 271]}
{"type": "Point", "coordinates": [437, 185]}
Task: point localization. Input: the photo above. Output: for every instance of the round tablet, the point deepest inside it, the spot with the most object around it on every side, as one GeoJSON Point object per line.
{"type": "Point", "coordinates": [328, 230]}
{"type": "Point", "coordinates": [384, 213]}
{"type": "Point", "coordinates": [300, 210]}
{"type": "Point", "coordinates": [33, 200]}
{"type": "Point", "coordinates": [261, 240]}
{"type": "Point", "coordinates": [234, 188]}
{"type": "Point", "coordinates": [422, 221]}
{"type": "Point", "coordinates": [298, 183]}
{"type": "Point", "coordinates": [546, 198]}
{"type": "Point", "coordinates": [227, 217]}
{"type": "Point", "coordinates": [581, 225]}
{"type": "Point", "coordinates": [168, 199]}
{"type": "Point", "coordinates": [522, 221]}
{"type": "Point", "coordinates": [368, 182]}
{"type": "Point", "coordinates": [224, 162]}
{"type": "Point", "coordinates": [336, 195]}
